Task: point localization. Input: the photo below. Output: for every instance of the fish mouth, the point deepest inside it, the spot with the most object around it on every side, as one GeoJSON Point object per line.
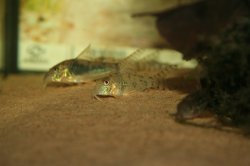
{"type": "Point", "coordinates": [46, 79]}
{"type": "Point", "coordinates": [104, 96]}
{"type": "Point", "coordinates": [60, 84]}
{"type": "Point", "coordinates": [101, 96]}
{"type": "Point", "coordinates": [49, 81]}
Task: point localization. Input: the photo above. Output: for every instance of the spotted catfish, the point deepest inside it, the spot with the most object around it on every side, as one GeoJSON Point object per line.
{"type": "Point", "coordinates": [123, 84]}
{"type": "Point", "coordinates": [136, 74]}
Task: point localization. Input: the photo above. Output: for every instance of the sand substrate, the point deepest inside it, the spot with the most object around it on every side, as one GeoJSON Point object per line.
{"type": "Point", "coordinates": [66, 126]}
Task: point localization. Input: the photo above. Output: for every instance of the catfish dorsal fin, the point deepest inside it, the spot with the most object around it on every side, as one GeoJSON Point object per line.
{"type": "Point", "coordinates": [139, 56]}
{"type": "Point", "coordinates": [128, 64]}
{"type": "Point", "coordinates": [86, 54]}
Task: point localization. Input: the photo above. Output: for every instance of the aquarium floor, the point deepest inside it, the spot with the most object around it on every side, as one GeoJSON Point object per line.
{"type": "Point", "coordinates": [66, 126]}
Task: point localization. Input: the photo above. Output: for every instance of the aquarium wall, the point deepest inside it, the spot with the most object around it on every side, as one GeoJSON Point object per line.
{"type": "Point", "coordinates": [50, 31]}
{"type": "Point", "coordinates": [54, 30]}
{"type": "Point", "coordinates": [2, 3]}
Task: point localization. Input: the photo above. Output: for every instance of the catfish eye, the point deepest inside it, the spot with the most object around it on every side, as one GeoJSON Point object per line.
{"type": "Point", "coordinates": [105, 82]}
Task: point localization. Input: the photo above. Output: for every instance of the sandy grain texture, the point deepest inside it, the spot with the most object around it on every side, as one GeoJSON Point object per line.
{"type": "Point", "coordinates": [66, 126]}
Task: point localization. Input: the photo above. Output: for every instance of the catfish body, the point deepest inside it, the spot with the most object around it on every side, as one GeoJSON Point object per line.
{"type": "Point", "coordinates": [76, 71]}
{"type": "Point", "coordinates": [84, 68]}
{"type": "Point", "coordinates": [134, 74]}
{"type": "Point", "coordinates": [123, 84]}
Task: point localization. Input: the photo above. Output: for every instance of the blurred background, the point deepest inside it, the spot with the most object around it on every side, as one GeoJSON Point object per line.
{"type": "Point", "coordinates": [2, 7]}
{"type": "Point", "coordinates": [37, 34]}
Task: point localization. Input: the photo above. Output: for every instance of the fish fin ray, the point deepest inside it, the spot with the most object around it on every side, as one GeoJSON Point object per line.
{"type": "Point", "coordinates": [128, 64]}
{"type": "Point", "coordinates": [86, 54]}
{"type": "Point", "coordinates": [137, 58]}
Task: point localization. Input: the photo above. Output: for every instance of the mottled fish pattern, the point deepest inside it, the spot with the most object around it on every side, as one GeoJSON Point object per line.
{"type": "Point", "coordinates": [135, 75]}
